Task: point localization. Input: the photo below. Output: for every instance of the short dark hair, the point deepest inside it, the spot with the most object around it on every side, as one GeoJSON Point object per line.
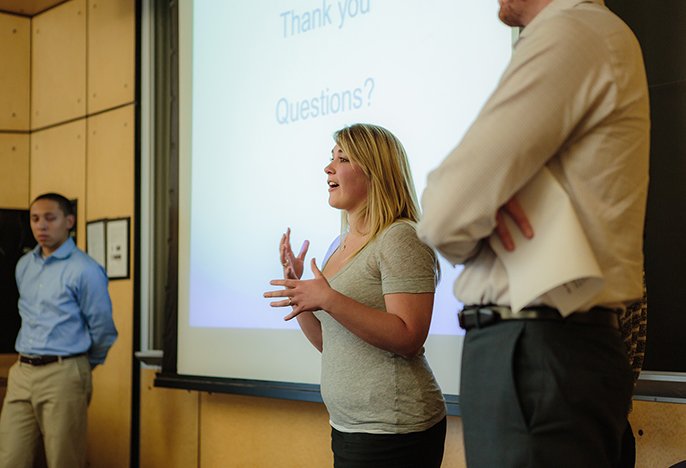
{"type": "Point", "coordinates": [62, 201]}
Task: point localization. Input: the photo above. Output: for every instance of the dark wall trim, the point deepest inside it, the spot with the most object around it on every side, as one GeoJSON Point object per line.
{"type": "Point", "coordinates": [260, 388]}
{"type": "Point", "coordinates": [170, 339]}
{"type": "Point", "coordinates": [134, 449]}
{"type": "Point", "coordinates": [660, 390]}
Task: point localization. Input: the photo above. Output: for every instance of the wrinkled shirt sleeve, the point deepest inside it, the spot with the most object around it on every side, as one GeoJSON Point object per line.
{"type": "Point", "coordinates": [526, 121]}
{"type": "Point", "coordinates": [96, 306]}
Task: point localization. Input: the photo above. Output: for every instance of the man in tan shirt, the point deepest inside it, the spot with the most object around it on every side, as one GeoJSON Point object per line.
{"type": "Point", "coordinates": [539, 390]}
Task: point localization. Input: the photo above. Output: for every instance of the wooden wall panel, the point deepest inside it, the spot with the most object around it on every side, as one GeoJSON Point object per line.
{"type": "Point", "coordinates": [661, 441]}
{"type": "Point", "coordinates": [111, 156]}
{"type": "Point", "coordinates": [109, 414]}
{"type": "Point", "coordinates": [58, 64]}
{"type": "Point", "coordinates": [454, 445]}
{"type": "Point", "coordinates": [14, 171]}
{"type": "Point", "coordinates": [110, 194]}
{"type": "Point", "coordinates": [27, 7]}
{"type": "Point", "coordinates": [15, 43]}
{"type": "Point", "coordinates": [169, 425]}
{"type": "Point", "coordinates": [111, 54]}
{"type": "Point", "coordinates": [239, 431]}
{"type": "Point", "coordinates": [58, 164]}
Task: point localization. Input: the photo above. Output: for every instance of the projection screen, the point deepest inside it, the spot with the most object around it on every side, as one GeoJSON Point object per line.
{"type": "Point", "coordinates": [263, 85]}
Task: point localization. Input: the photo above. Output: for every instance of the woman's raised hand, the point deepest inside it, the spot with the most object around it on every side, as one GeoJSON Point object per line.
{"type": "Point", "coordinates": [303, 296]}
{"type": "Point", "coordinates": [292, 265]}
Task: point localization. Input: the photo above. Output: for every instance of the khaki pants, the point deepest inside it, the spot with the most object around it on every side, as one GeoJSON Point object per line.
{"type": "Point", "coordinates": [52, 401]}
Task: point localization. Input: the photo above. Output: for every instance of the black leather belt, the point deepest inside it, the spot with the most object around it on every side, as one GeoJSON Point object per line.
{"type": "Point", "coordinates": [43, 360]}
{"type": "Point", "coordinates": [484, 315]}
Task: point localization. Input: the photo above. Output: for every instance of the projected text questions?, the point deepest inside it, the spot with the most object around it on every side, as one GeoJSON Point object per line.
{"type": "Point", "coordinates": [328, 102]}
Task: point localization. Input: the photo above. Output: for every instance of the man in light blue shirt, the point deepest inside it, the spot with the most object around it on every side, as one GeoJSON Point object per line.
{"type": "Point", "coordinates": [67, 330]}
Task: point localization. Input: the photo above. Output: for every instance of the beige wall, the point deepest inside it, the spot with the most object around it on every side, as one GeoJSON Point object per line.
{"type": "Point", "coordinates": [15, 37]}
{"type": "Point", "coordinates": [59, 69]}
{"type": "Point", "coordinates": [69, 127]}
{"type": "Point", "coordinates": [660, 431]}
{"type": "Point", "coordinates": [215, 430]}
{"type": "Point", "coordinates": [14, 170]}
{"type": "Point", "coordinates": [58, 64]}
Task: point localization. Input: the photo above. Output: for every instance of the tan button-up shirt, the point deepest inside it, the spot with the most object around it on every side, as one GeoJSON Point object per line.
{"type": "Point", "coordinates": [575, 99]}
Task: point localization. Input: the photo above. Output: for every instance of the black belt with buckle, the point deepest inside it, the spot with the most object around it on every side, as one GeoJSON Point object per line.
{"type": "Point", "coordinates": [480, 316]}
{"type": "Point", "coordinates": [43, 360]}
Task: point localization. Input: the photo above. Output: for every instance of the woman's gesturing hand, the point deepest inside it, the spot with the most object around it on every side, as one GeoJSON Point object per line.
{"type": "Point", "coordinates": [303, 296]}
{"type": "Point", "coordinates": [292, 265]}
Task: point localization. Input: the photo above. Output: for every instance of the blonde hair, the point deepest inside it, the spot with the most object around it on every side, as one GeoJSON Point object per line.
{"type": "Point", "coordinates": [391, 195]}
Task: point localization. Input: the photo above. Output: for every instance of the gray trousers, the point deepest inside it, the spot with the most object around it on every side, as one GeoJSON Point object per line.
{"type": "Point", "coordinates": [542, 394]}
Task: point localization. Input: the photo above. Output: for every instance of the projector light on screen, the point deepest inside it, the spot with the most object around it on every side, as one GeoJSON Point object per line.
{"type": "Point", "coordinates": [263, 87]}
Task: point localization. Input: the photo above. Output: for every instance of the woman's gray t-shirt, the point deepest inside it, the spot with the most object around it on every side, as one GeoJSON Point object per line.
{"type": "Point", "coordinates": [367, 389]}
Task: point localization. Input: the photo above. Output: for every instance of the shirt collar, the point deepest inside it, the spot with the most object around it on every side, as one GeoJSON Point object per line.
{"type": "Point", "coordinates": [63, 251]}
{"type": "Point", "coordinates": [551, 9]}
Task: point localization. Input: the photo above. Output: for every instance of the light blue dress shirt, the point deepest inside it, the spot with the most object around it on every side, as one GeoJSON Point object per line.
{"type": "Point", "coordinates": [64, 305]}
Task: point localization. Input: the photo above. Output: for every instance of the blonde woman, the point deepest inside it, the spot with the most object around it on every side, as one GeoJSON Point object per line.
{"type": "Point", "coordinates": [368, 311]}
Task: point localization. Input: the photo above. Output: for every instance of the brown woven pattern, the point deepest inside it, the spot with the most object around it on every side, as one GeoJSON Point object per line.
{"type": "Point", "coordinates": [633, 325]}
